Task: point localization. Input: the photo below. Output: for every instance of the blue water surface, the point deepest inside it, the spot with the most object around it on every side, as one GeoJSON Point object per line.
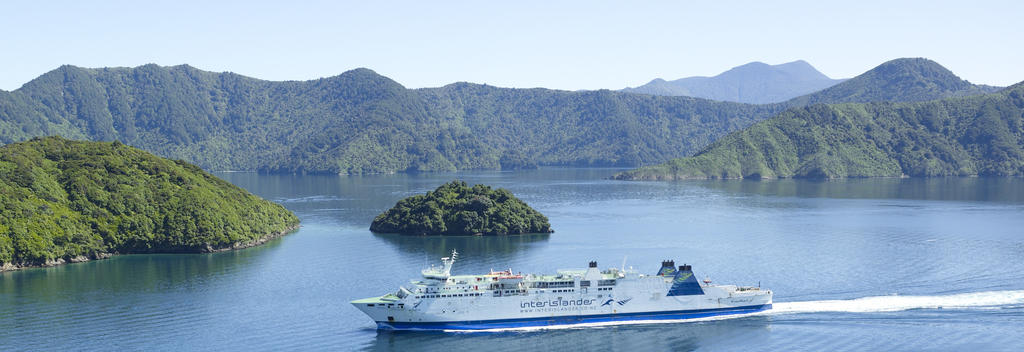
{"type": "Point", "coordinates": [910, 264]}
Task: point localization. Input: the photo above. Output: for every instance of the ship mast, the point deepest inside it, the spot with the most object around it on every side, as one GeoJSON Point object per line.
{"type": "Point", "coordinates": [443, 272]}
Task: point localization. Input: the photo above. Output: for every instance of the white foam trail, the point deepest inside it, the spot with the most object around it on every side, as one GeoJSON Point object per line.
{"type": "Point", "coordinates": [896, 303]}
{"type": "Point", "coordinates": [893, 303]}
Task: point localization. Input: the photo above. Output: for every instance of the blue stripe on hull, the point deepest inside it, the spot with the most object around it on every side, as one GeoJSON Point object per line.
{"type": "Point", "coordinates": [568, 320]}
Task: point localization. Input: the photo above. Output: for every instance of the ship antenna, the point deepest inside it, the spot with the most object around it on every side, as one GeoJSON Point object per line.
{"type": "Point", "coordinates": [624, 262]}
{"type": "Point", "coordinates": [448, 261]}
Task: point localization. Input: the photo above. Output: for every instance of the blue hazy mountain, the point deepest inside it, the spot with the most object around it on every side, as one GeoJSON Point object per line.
{"type": "Point", "coordinates": [755, 83]}
{"type": "Point", "coordinates": [906, 117]}
{"type": "Point", "coordinates": [361, 122]}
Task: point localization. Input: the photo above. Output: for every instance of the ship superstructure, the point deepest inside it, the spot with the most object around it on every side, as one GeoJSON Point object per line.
{"type": "Point", "coordinates": [503, 299]}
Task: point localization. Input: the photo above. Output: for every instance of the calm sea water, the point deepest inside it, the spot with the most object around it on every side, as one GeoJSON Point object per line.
{"type": "Point", "coordinates": [874, 264]}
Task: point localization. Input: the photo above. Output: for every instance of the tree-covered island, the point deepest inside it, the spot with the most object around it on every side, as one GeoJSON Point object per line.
{"type": "Point", "coordinates": [455, 208]}
{"type": "Point", "coordinates": [70, 201]}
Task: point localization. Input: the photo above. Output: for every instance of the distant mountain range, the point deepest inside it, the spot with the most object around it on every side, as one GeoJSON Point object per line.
{"type": "Point", "coordinates": [969, 133]}
{"type": "Point", "coordinates": [362, 122]}
{"type": "Point", "coordinates": [754, 83]}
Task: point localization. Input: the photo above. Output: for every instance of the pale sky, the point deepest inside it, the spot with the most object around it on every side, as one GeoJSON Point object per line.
{"type": "Point", "coordinates": [552, 44]}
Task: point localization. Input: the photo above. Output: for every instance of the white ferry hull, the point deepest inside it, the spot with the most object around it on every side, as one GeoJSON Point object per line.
{"type": "Point", "coordinates": [502, 300]}
{"type": "Point", "coordinates": [572, 320]}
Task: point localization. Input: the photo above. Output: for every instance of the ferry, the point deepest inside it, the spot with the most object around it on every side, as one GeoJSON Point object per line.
{"type": "Point", "coordinates": [440, 300]}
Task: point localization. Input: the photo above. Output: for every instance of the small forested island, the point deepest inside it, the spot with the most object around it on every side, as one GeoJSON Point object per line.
{"type": "Point", "coordinates": [70, 201]}
{"type": "Point", "coordinates": [455, 208]}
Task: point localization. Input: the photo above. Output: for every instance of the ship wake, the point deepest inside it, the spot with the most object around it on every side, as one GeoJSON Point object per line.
{"type": "Point", "coordinates": [895, 303]}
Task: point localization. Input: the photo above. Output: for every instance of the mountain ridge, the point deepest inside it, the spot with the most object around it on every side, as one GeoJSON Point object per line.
{"type": "Point", "coordinates": [979, 135]}
{"type": "Point", "coordinates": [360, 121]}
{"type": "Point", "coordinates": [755, 83]}
{"type": "Point", "coordinates": [903, 79]}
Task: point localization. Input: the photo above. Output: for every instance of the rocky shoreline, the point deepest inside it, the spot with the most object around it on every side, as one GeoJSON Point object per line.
{"type": "Point", "coordinates": [99, 256]}
{"type": "Point", "coordinates": [253, 243]}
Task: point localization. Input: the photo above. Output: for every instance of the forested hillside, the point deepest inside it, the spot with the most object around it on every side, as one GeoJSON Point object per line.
{"type": "Point", "coordinates": [360, 122]}
{"type": "Point", "coordinates": [899, 80]}
{"type": "Point", "coordinates": [64, 200]}
{"type": "Point", "coordinates": [967, 136]}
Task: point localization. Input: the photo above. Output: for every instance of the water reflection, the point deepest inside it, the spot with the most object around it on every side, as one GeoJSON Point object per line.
{"type": "Point", "coordinates": [807, 240]}
{"type": "Point", "coordinates": [356, 200]}
{"type": "Point", "coordinates": [130, 273]}
{"type": "Point", "coordinates": [468, 246]}
{"type": "Point", "coordinates": [86, 303]}
{"type": "Point", "coordinates": [945, 189]}
{"type": "Point", "coordinates": [653, 337]}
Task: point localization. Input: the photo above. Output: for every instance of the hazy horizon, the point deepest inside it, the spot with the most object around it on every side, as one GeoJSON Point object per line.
{"type": "Point", "coordinates": [568, 46]}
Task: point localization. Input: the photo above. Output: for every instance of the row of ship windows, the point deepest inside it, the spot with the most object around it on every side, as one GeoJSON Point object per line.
{"type": "Point", "coordinates": [451, 295]}
{"type": "Point", "coordinates": [481, 294]}
{"type": "Point", "coordinates": [558, 284]}
{"type": "Point", "coordinates": [573, 290]}
{"type": "Point", "coordinates": [538, 284]}
{"type": "Point", "coordinates": [506, 292]}
{"type": "Point", "coordinates": [552, 284]}
{"type": "Point", "coordinates": [599, 283]}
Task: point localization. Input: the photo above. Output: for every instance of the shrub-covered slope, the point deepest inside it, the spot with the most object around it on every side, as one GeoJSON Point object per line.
{"type": "Point", "coordinates": [980, 135]}
{"type": "Point", "coordinates": [360, 122]}
{"type": "Point", "coordinates": [455, 208]}
{"type": "Point", "coordinates": [899, 80]}
{"type": "Point", "coordinates": [64, 200]}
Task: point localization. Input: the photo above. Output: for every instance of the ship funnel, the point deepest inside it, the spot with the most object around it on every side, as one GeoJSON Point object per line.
{"type": "Point", "coordinates": [668, 268]}
{"type": "Point", "coordinates": [684, 283]}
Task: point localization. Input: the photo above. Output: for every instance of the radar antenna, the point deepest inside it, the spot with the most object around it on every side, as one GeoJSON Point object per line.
{"type": "Point", "coordinates": [443, 272]}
